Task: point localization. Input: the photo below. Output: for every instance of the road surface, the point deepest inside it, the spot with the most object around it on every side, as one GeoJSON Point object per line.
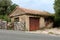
{"type": "Point", "coordinates": [19, 35]}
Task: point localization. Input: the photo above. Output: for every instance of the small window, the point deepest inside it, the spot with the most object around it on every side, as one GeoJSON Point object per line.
{"type": "Point", "coordinates": [16, 19]}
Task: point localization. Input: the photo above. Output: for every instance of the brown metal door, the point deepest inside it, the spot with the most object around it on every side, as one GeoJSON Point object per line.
{"type": "Point", "coordinates": [34, 24]}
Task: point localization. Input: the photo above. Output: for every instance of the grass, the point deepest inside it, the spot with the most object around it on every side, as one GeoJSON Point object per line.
{"type": "Point", "coordinates": [50, 33]}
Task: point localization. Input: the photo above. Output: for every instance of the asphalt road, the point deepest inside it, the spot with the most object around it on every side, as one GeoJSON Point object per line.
{"type": "Point", "coordinates": [18, 35]}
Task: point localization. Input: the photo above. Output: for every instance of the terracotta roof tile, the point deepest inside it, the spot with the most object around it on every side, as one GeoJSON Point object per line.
{"type": "Point", "coordinates": [30, 11]}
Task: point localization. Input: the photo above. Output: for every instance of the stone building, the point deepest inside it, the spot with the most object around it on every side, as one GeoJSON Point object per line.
{"type": "Point", "coordinates": [31, 20]}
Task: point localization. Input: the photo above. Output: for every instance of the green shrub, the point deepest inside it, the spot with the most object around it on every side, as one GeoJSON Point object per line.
{"type": "Point", "coordinates": [50, 33]}
{"type": "Point", "coordinates": [5, 18]}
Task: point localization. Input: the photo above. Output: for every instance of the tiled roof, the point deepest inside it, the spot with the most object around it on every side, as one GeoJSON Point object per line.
{"type": "Point", "coordinates": [30, 11]}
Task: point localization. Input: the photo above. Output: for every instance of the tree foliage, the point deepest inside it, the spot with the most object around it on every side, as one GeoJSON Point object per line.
{"type": "Point", "coordinates": [6, 6]}
{"type": "Point", "coordinates": [12, 7]}
{"type": "Point", "coordinates": [57, 12]}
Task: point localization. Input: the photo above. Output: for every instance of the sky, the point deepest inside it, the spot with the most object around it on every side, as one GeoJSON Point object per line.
{"type": "Point", "coordinates": [43, 5]}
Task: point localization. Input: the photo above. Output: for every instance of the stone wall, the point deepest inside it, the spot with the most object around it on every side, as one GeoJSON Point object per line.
{"type": "Point", "coordinates": [3, 24]}
{"type": "Point", "coordinates": [19, 26]}
{"type": "Point", "coordinates": [42, 22]}
{"type": "Point", "coordinates": [23, 23]}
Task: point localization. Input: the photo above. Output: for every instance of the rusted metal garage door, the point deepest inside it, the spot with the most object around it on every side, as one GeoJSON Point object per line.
{"type": "Point", "coordinates": [34, 23]}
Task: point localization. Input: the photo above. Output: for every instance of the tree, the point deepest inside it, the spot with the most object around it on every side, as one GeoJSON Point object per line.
{"type": "Point", "coordinates": [6, 6]}
{"type": "Point", "coordinates": [12, 7]}
{"type": "Point", "coordinates": [57, 12]}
